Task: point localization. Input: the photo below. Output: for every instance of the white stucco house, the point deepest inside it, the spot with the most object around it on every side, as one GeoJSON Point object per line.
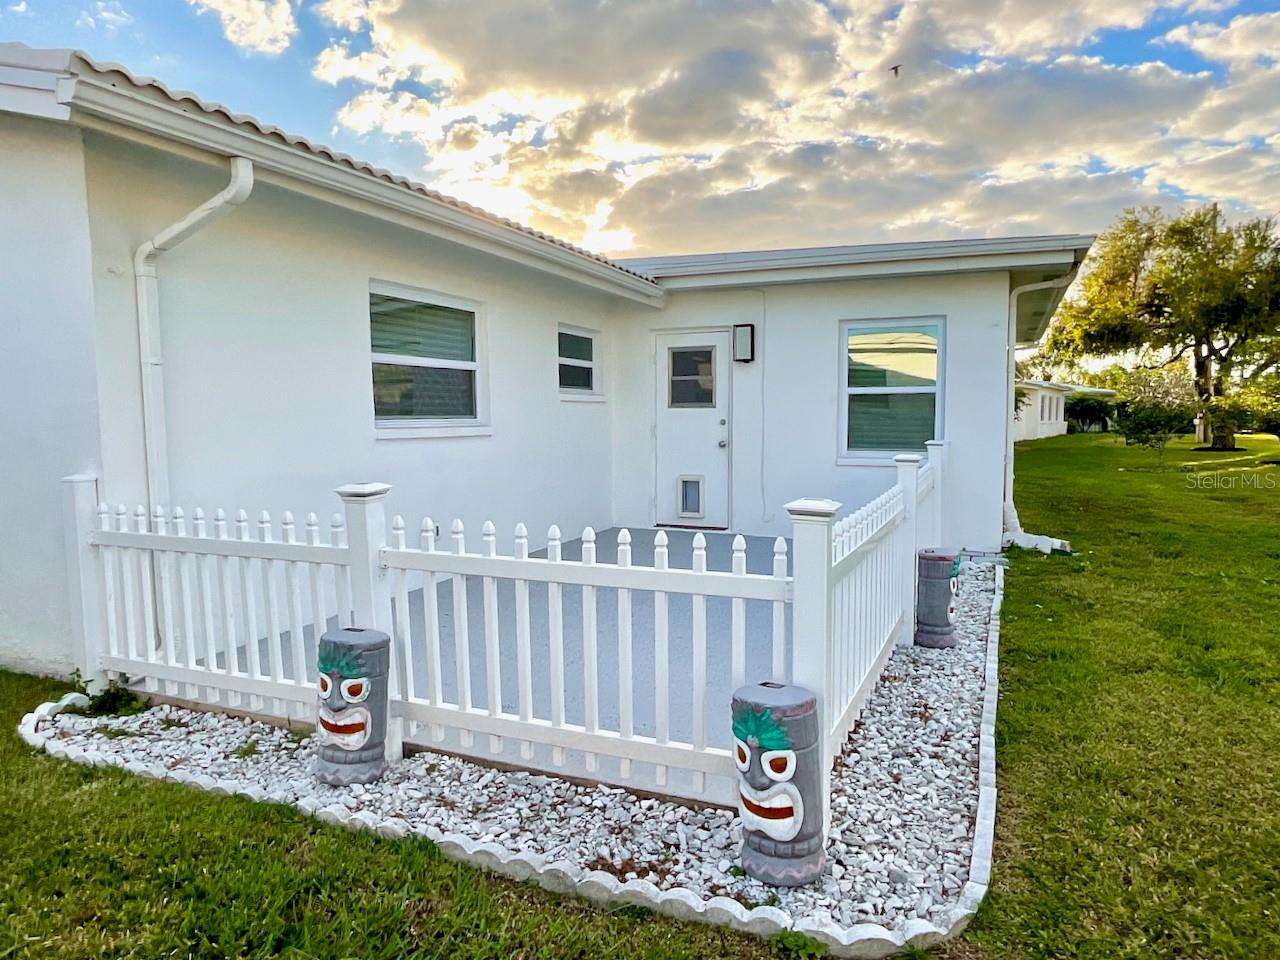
{"type": "Point", "coordinates": [1043, 413]}
{"type": "Point", "coordinates": [199, 308]}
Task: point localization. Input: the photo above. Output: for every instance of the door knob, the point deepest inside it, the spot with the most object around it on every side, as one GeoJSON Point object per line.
{"type": "Point", "coordinates": [724, 443]}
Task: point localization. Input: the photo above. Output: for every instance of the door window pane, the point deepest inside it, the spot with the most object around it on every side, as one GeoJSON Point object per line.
{"type": "Point", "coordinates": [890, 421]}
{"type": "Point", "coordinates": [888, 357]}
{"type": "Point", "coordinates": [403, 391]}
{"type": "Point", "coordinates": [692, 374]}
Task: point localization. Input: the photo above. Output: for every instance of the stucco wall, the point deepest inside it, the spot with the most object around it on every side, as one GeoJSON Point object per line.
{"type": "Point", "coordinates": [266, 346]}
{"type": "Point", "coordinates": [1030, 425]}
{"type": "Point", "coordinates": [785, 405]}
{"type": "Point", "coordinates": [48, 404]}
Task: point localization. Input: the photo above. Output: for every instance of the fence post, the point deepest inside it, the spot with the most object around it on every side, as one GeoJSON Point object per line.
{"type": "Point", "coordinates": [938, 460]}
{"type": "Point", "coordinates": [366, 514]}
{"type": "Point", "coordinates": [79, 513]}
{"type": "Point", "coordinates": [909, 479]}
{"type": "Point", "coordinates": [811, 522]}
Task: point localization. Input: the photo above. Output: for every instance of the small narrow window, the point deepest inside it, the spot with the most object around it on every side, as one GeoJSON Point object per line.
{"type": "Point", "coordinates": [689, 496]}
{"type": "Point", "coordinates": [692, 373]}
{"type": "Point", "coordinates": [579, 363]}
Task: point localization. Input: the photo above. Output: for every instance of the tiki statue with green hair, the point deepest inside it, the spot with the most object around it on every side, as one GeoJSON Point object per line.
{"type": "Point", "coordinates": [351, 718]}
{"type": "Point", "coordinates": [775, 746]}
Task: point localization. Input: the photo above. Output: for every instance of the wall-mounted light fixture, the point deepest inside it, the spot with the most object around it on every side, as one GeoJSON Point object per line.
{"type": "Point", "coordinates": [744, 342]}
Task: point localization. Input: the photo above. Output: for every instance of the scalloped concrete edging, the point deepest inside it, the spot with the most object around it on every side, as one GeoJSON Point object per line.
{"type": "Point", "coordinates": [866, 940]}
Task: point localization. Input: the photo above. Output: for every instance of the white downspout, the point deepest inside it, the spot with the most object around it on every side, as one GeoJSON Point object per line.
{"type": "Point", "coordinates": [1065, 280]}
{"type": "Point", "coordinates": [147, 285]}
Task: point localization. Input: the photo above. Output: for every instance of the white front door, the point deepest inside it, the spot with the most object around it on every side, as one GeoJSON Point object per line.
{"type": "Point", "coordinates": [693, 429]}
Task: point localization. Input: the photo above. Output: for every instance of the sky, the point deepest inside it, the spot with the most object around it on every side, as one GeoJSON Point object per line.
{"type": "Point", "coordinates": [638, 127]}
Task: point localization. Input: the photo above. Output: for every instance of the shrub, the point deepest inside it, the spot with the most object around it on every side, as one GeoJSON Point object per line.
{"type": "Point", "coordinates": [1088, 412]}
{"type": "Point", "coordinates": [1151, 423]}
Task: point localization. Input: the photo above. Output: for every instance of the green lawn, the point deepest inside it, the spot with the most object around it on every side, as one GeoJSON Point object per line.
{"type": "Point", "coordinates": [1138, 739]}
{"type": "Point", "coordinates": [1139, 756]}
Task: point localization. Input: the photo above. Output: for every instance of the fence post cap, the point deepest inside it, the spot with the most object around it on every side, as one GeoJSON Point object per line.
{"type": "Point", "coordinates": [810, 507]}
{"type": "Point", "coordinates": [363, 491]}
{"type": "Point", "coordinates": [907, 458]}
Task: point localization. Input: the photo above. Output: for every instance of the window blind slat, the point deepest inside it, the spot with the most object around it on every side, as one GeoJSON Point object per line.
{"type": "Point", "coordinates": [891, 421]}
{"type": "Point", "coordinates": [420, 329]}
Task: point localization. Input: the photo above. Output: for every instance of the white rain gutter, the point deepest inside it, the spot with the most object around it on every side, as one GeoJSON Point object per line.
{"type": "Point", "coordinates": [150, 353]}
{"type": "Point", "coordinates": [1060, 282]}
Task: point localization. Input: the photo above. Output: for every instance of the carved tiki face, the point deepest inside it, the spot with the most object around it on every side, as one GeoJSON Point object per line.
{"type": "Point", "coordinates": [349, 676]}
{"type": "Point", "coordinates": [769, 802]}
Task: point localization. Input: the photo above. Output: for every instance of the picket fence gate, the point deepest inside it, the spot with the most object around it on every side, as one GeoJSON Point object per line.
{"type": "Point", "coordinates": [227, 611]}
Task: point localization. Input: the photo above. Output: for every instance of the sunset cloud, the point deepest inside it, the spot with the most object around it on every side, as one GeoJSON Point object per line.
{"type": "Point", "coordinates": [677, 126]}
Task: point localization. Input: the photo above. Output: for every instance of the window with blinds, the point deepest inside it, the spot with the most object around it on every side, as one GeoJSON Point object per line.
{"type": "Point", "coordinates": [891, 386]}
{"type": "Point", "coordinates": [424, 360]}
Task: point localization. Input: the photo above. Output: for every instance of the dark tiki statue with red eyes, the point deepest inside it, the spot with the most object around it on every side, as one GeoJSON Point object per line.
{"type": "Point", "coordinates": [775, 745]}
{"type": "Point", "coordinates": [351, 718]}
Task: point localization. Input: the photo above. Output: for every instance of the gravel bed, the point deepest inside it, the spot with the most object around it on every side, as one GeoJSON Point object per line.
{"type": "Point", "coordinates": [905, 791]}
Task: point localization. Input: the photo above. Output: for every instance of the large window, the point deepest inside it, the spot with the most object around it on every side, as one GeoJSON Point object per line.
{"type": "Point", "coordinates": [891, 401]}
{"type": "Point", "coordinates": [579, 367]}
{"type": "Point", "coordinates": [425, 367]}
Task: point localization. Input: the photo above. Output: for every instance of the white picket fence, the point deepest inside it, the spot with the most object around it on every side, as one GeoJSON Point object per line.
{"type": "Point", "coordinates": [614, 671]}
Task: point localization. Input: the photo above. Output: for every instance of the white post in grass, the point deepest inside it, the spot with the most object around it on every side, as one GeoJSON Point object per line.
{"type": "Point", "coordinates": [366, 514]}
{"type": "Point", "coordinates": [79, 516]}
{"type": "Point", "coordinates": [811, 523]}
{"type": "Point", "coordinates": [937, 451]}
{"type": "Point", "coordinates": [909, 480]}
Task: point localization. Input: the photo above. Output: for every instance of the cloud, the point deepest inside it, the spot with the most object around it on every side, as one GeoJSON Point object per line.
{"type": "Point", "coordinates": [671, 126]}
{"type": "Point", "coordinates": [263, 26]}
{"type": "Point", "coordinates": [1245, 41]}
{"type": "Point", "coordinates": [107, 14]}
{"type": "Point", "coordinates": [19, 8]}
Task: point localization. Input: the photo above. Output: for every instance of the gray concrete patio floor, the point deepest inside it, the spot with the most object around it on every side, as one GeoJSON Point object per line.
{"type": "Point", "coordinates": [719, 549]}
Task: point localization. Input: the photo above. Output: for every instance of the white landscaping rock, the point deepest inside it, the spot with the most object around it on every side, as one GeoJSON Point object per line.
{"type": "Point", "coordinates": [904, 866]}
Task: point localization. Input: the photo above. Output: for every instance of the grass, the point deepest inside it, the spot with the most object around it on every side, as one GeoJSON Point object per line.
{"type": "Point", "coordinates": [1139, 756]}
{"type": "Point", "coordinates": [1138, 738]}
{"type": "Point", "coordinates": [98, 863]}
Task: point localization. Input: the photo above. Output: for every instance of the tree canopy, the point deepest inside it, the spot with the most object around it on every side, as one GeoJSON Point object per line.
{"type": "Point", "coordinates": [1192, 288]}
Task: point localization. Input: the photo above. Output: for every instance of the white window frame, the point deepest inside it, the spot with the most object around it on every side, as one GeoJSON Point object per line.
{"type": "Point", "coordinates": [386, 428]}
{"type": "Point", "coordinates": [847, 457]}
{"type": "Point", "coordinates": [572, 394]}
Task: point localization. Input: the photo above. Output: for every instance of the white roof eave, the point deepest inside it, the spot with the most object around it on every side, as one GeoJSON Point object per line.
{"type": "Point", "coordinates": [69, 86]}
{"type": "Point", "coordinates": [750, 268]}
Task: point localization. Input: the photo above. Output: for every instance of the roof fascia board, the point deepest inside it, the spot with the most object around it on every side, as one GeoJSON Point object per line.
{"type": "Point", "coordinates": [749, 261]}
{"type": "Point", "coordinates": [123, 109]}
{"type": "Point", "coordinates": [1063, 259]}
{"type": "Point", "coordinates": [32, 93]}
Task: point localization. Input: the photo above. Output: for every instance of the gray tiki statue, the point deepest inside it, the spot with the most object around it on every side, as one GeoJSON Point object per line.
{"type": "Point", "coordinates": [351, 720]}
{"type": "Point", "coordinates": [775, 745]}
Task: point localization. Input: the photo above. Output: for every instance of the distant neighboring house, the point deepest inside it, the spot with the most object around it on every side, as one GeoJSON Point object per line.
{"type": "Point", "coordinates": [201, 309]}
{"type": "Point", "coordinates": [1042, 415]}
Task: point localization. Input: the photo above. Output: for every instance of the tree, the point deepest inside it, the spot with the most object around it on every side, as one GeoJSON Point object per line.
{"type": "Point", "coordinates": [1188, 289]}
{"type": "Point", "coordinates": [1088, 412]}
{"type": "Point", "coordinates": [1151, 423]}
